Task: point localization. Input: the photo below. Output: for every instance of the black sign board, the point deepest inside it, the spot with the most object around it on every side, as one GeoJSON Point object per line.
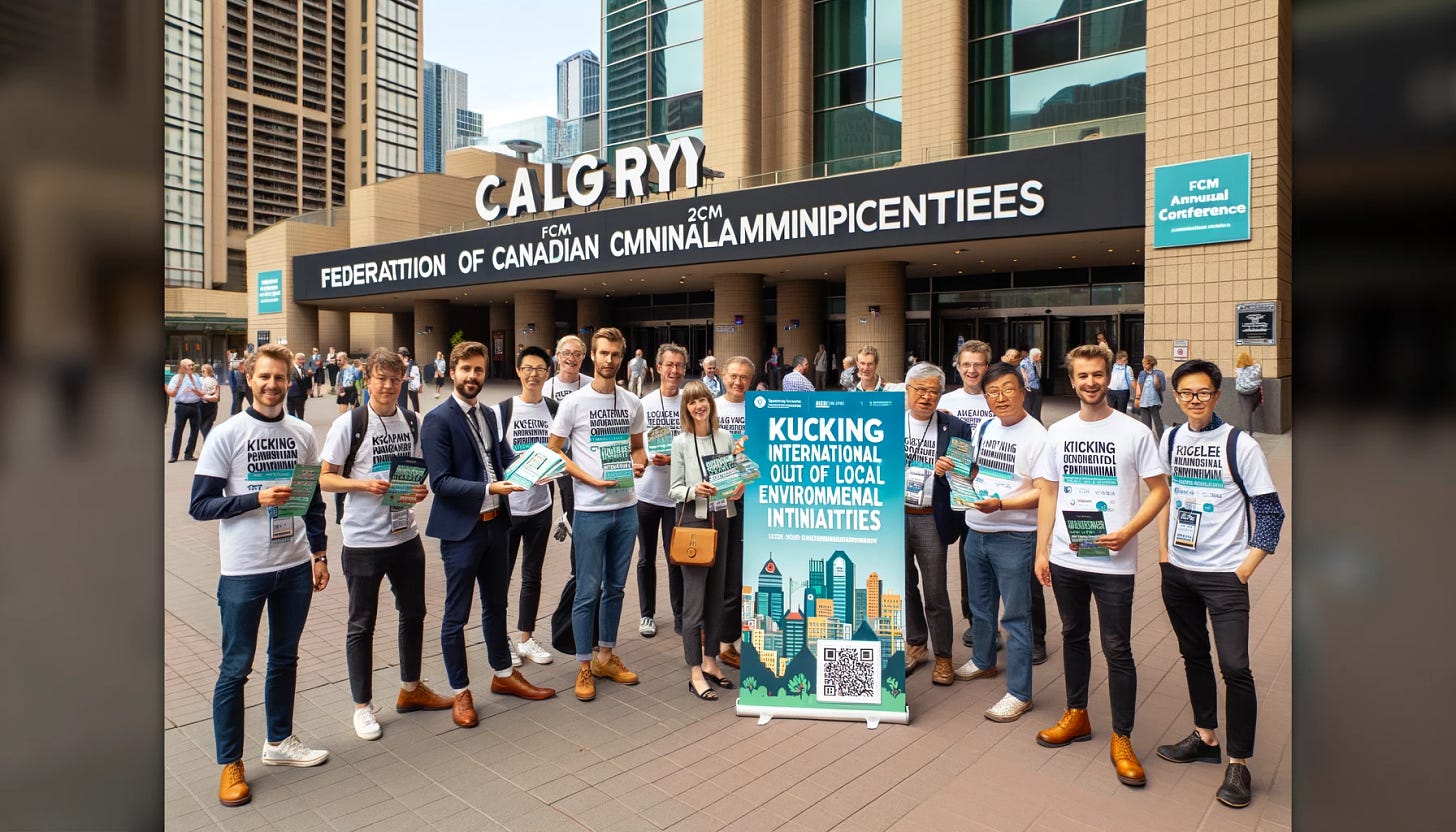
{"type": "Point", "coordinates": [1073, 187]}
{"type": "Point", "coordinates": [264, 336]}
{"type": "Point", "coordinates": [1254, 323]}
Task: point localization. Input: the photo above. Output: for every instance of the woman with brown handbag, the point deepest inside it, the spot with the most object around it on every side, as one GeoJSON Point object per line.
{"type": "Point", "coordinates": [701, 512]}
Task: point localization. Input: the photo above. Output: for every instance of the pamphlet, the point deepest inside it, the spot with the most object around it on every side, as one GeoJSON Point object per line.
{"type": "Point", "coordinates": [536, 464]}
{"type": "Point", "coordinates": [723, 472]}
{"type": "Point", "coordinates": [304, 483]}
{"type": "Point", "coordinates": [659, 441]}
{"type": "Point", "coordinates": [616, 457]}
{"type": "Point", "coordinates": [1083, 529]}
{"type": "Point", "coordinates": [405, 472]}
{"type": "Point", "coordinates": [962, 491]}
{"type": "Point", "coordinates": [747, 468]}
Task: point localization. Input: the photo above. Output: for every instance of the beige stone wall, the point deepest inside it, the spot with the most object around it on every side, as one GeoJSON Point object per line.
{"type": "Point", "coordinates": [275, 248]}
{"type": "Point", "coordinates": [534, 306]}
{"type": "Point", "coordinates": [1218, 85]}
{"type": "Point", "coordinates": [731, 113]}
{"type": "Point", "coordinates": [592, 312]}
{"type": "Point", "coordinates": [369, 331]}
{"type": "Point", "coordinates": [738, 294]}
{"type": "Point", "coordinates": [433, 315]}
{"type": "Point", "coordinates": [333, 329]}
{"type": "Point", "coordinates": [180, 300]}
{"type": "Point", "coordinates": [787, 55]}
{"type": "Point", "coordinates": [877, 284]}
{"type": "Point", "coordinates": [502, 319]}
{"type": "Point", "coordinates": [934, 79]}
{"type": "Point", "coordinates": [804, 300]}
{"type": "Point", "coordinates": [409, 207]}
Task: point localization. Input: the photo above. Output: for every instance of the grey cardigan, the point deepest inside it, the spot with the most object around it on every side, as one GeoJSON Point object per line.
{"type": "Point", "coordinates": [685, 472]}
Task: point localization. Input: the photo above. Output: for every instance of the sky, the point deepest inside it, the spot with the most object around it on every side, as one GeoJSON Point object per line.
{"type": "Point", "coordinates": [510, 49]}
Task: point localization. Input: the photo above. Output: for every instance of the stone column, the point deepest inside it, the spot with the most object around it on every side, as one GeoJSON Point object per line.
{"type": "Point", "coordinates": [732, 119]}
{"type": "Point", "coordinates": [788, 95]}
{"type": "Point", "coordinates": [592, 314]}
{"type": "Point", "coordinates": [534, 306]}
{"type": "Point", "coordinates": [739, 294]}
{"type": "Point", "coordinates": [934, 84]}
{"type": "Point", "coordinates": [431, 330]}
{"type": "Point", "coordinates": [802, 300]}
{"type": "Point", "coordinates": [501, 320]}
{"type": "Point", "coordinates": [883, 285]}
{"type": "Point", "coordinates": [333, 330]}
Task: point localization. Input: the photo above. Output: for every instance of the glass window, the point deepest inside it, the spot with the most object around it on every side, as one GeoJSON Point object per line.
{"type": "Point", "coordinates": [618, 5]}
{"type": "Point", "coordinates": [626, 82]}
{"type": "Point", "coordinates": [680, 113]}
{"type": "Point", "coordinates": [848, 87]}
{"type": "Point", "coordinates": [1115, 30]}
{"type": "Point", "coordinates": [678, 69]}
{"type": "Point", "coordinates": [887, 80]}
{"type": "Point", "coordinates": [626, 41]}
{"type": "Point", "coordinates": [888, 16]}
{"type": "Point", "coordinates": [679, 25]}
{"type": "Point", "coordinates": [1044, 46]}
{"type": "Point", "coordinates": [1099, 88]}
{"type": "Point", "coordinates": [842, 34]}
{"type": "Point", "coordinates": [990, 57]}
{"type": "Point", "coordinates": [627, 124]}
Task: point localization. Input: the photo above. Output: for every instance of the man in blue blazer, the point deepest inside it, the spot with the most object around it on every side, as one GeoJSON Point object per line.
{"type": "Point", "coordinates": [930, 525]}
{"type": "Point", "coordinates": [471, 516]}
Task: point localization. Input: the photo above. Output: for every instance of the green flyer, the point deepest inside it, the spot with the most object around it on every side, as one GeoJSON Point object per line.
{"type": "Point", "coordinates": [304, 483]}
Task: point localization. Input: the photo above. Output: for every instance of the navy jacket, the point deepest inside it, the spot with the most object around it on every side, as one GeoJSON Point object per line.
{"type": "Point", "coordinates": [950, 524]}
{"type": "Point", "coordinates": [456, 475]}
{"type": "Point", "coordinates": [300, 381]}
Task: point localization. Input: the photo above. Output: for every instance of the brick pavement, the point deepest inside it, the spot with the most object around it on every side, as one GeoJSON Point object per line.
{"type": "Point", "coordinates": [652, 757]}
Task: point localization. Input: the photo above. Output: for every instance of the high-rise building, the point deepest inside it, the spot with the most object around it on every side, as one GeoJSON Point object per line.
{"type": "Point", "coordinates": [272, 110]}
{"type": "Point", "coordinates": [770, 598]}
{"type": "Point", "coordinates": [873, 587]}
{"type": "Point", "coordinates": [653, 71]}
{"type": "Point", "coordinates": [793, 634]}
{"type": "Point", "coordinates": [579, 101]}
{"type": "Point", "coordinates": [861, 603]}
{"type": "Point", "coordinates": [841, 584]}
{"type": "Point", "coordinates": [449, 122]}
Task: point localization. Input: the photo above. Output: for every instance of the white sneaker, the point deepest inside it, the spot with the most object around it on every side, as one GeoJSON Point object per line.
{"type": "Point", "coordinates": [532, 649]}
{"type": "Point", "coordinates": [969, 671]}
{"type": "Point", "coordinates": [515, 654]}
{"type": "Point", "coordinates": [1009, 709]}
{"type": "Point", "coordinates": [365, 725]}
{"type": "Point", "coordinates": [292, 752]}
{"type": "Point", "coordinates": [648, 627]}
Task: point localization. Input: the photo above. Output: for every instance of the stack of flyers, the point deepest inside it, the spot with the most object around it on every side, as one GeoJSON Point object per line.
{"type": "Point", "coordinates": [962, 491]}
{"type": "Point", "coordinates": [304, 484]}
{"type": "Point", "coordinates": [535, 465]}
{"type": "Point", "coordinates": [659, 441]}
{"type": "Point", "coordinates": [405, 472]}
{"type": "Point", "coordinates": [747, 468]}
{"type": "Point", "coordinates": [723, 473]}
{"type": "Point", "coordinates": [1083, 529]}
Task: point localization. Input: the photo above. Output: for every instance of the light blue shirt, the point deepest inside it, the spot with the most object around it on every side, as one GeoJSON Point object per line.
{"type": "Point", "coordinates": [189, 391]}
{"type": "Point", "coordinates": [1028, 369]}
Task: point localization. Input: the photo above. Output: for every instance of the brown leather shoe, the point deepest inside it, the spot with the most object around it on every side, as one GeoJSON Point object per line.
{"type": "Point", "coordinates": [1125, 761]}
{"type": "Point", "coordinates": [516, 685]}
{"type": "Point", "coordinates": [586, 687]}
{"type": "Point", "coordinates": [731, 657]}
{"type": "Point", "coordinates": [613, 669]}
{"type": "Point", "coordinates": [915, 655]}
{"type": "Point", "coordinates": [232, 789]}
{"type": "Point", "coordinates": [421, 699]}
{"type": "Point", "coordinates": [464, 710]}
{"type": "Point", "coordinates": [943, 674]}
{"type": "Point", "coordinates": [1074, 726]}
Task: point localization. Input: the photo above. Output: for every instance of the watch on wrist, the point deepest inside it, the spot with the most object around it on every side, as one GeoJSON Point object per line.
{"type": "Point", "coordinates": [321, 559]}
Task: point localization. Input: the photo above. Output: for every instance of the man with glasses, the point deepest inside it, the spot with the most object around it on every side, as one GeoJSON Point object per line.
{"type": "Point", "coordinates": [738, 374]}
{"type": "Point", "coordinates": [1000, 541]}
{"type": "Point", "coordinates": [969, 405]}
{"type": "Point", "coordinates": [1088, 519]}
{"type": "Point", "coordinates": [570, 351]}
{"type": "Point", "coordinates": [655, 507]}
{"type": "Point", "coordinates": [525, 420]}
{"type": "Point", "coordinates": [379, 541]}
{"type": "Point", "coordinates": [1207, 553]}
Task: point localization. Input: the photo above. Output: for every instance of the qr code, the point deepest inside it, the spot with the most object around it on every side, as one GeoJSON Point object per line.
{"type": "Point", "coordinates": [849, 671]}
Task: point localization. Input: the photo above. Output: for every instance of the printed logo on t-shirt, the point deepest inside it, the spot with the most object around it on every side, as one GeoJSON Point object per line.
{"type": "Point", "coordinates": [384, 447]}
{"type": "Point", "coordinates": [997, 458]}
{"type": "Point", "coordinates": [527, 431]}
{"type": "Point", "coordinates": [734, 424]}
{"type": "Point", "coordinates": [1089, 473]}
{"type": "Point", "coordinates": [271, 458]}
{"type": "Point", "coordinates": [1199, 466]}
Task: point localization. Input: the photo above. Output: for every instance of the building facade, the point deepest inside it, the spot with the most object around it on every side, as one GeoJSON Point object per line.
{"type": "Point", "coordinates": [579, 101]}
{"type": "Point", "coordinates": [449, 122]}
{"type": "Point", "coordinates": [908, 174]}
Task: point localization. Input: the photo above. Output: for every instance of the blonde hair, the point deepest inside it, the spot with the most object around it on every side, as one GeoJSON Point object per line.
{"type": "Point", "coordinates": [1244, 360]}
{"type": "Point", "coordinates": [1090, 352]}
{"type": "Point", "coordinates": [691, 392]}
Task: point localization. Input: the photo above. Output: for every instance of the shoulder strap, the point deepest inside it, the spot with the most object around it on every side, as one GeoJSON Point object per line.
{"type": "Point", "coordinates": [506, 405]}
{"type": "Point", "coordinates": [980, 436]}
{"type": "Point", "coordinates": [551, 405]}
{"type": "Point", "coordinates": [1231, 454]}
{"type": "Point", "coordinates": [414, 423]}
{"type": "Point", "coordinates": [358, 423]}
{"type": "Point", "coordinates": [1172, 435]}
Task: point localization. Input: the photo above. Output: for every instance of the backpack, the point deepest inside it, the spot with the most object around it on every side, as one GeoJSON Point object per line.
{"type": "Point", "coordinates": [1231, 455]}
{"type": "Point", "coordinates": [1248, 382]}
{"type": "Point", "coordinates": [359, 423]}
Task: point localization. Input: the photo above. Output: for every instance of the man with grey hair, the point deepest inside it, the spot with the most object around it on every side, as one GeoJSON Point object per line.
{"type": "Point", "coordinates": [797, 380]}
{"type": "Point", "coordinates": [732, 416]}
{"type": "Point", "coordinates": [185, 389]}
{"type": "Point", "coordinates": [1031, 377]}
{"type": "Point", "coordinates": [929, 525]}
{"type": "Point", "coordinates": [655, 506]}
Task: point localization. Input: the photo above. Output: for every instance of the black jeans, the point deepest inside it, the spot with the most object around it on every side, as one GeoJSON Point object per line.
{"type": "Point", "coordinates": [533, 530]}
{"type": "Point", "coordinates": [207, 414]}
{"type": "Point", "coordinates": [1118, 399]}
{"type": "Point", "coordinates": [1192, 598]}
{"type": "Point", "coordinates": [702, 584]}
{"type": "Point", "coordinates": [1075, 590]}
{"type": "Point", "coordinates": [185, 413]}
{"type": "Point", "coordinates": [296, 404]}
{"type": "Point", "coordinates": [364, 570]}
{"type": "Point", "coordinates": [732, 626]}
{"type": "Point", "coordinates": [653, 520]}
{"type": "Point", "coordinates": [1033, 403]}
{"type": "Point", "coordinates": [414, 399]}
{"type": "Point", "coordinates": [1038, 611]}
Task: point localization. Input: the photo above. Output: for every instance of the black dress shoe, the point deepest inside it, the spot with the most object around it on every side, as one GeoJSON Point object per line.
{"type": "Point", "coordinates": [966, 637]}
{"type": "Point", "coordinates": [1038, 654]}
{"type": "Point", "coordinates": [190, 458]}
{"type": "Point", "coordinates": [173, 459]}
{"type": "Point", "coordinates": [1191, 749]}
{"type": "Point", "coordinates": [1236, 788]}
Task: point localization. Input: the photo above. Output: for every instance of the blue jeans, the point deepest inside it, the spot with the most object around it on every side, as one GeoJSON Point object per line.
{"type": "Point", "coordinates": [998, 566]}
{"type": "Point", "coordinates": [604, 541]}
{"type": "Point", "coordinates": [287, 593]}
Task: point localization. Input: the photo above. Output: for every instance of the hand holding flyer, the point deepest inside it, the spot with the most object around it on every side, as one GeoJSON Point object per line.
{"type": "Point", "coordinates": [303, 485]}
{"type": "Point", "coordinates": [535, 465]}
{"type": "Point", "coordinates": [405, 473]}
{"type": "Point", "coordinates": [963, 492]}
{"type": "Point", "coordinates": [659, 441]}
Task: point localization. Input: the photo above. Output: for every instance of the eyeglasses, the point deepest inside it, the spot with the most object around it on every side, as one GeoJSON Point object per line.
{"type": "Point", "coordinates": [671, 365]}
{"type": "Point", "coordinates": [533, 371]}
{"type": "Point", "coordinates": [1190, 395]}
{"type": "Point", "coordinates": [571, 353]}
{"type": "Point", "coordinates": [1002, 394]}
{"type": "Point", "coordinates": [736, 377]}
{"type": "Point", "coordinates": [931, 392]}
{"type": "Point", "coordinates": [974, 365]}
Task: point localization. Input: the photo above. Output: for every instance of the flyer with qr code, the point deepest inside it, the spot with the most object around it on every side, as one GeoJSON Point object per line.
{"type": "Point", "coordinates": [824, 558]}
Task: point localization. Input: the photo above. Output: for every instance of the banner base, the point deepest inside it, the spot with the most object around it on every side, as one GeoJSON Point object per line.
{"type": "Point", "coordinates": [872, 719]}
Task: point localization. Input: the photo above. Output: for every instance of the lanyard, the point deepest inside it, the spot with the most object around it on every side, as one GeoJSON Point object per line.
{"type": "Point", "coordinates": [928, 424]}
{"type": "Point", "coordinates": [479, 440]}
{"type": "Point", "coordinates": [713, 437]}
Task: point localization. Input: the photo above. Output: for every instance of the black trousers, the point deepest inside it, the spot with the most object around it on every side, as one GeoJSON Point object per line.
{"type": "Point", "coordinates": [533, 531]}
{"type": "Point", "coordinates": [207, 413]}
{"type": "Point", "coordinates": [414, 399]}
{"type": "Point", "coordinates": [296, 404]}
{"type": "Point", "coordinates": [1033, 404]}
{"type": "Point", "coordinates": [238, 398]}
{"type": "Point", "coordinates": [1192, 598]}
{"type": "Point", "coordinates": [732, 626]}
{"type": "Point", "coordinates": [702, 584]}
{"type": "Point", "coordinates": [1075, 590]}
{"type": "Point", "coordinates": [1118, 399]}
{"type": "Point", "coordinates": [183, 414]}
{"type": "Point", "coordinates": [653, 520]}
{"type": "Point", "coordinates": [364, 570]}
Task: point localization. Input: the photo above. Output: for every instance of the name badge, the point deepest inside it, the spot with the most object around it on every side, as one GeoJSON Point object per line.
{"type": "Point", "coordinates": [399, 520]}
{"type": "Point", "coordinates": [1185, 533]}
{"type": "Point", "coordinates": [916, 480]}
{"type": "Point", "coordinates": [280, 529]}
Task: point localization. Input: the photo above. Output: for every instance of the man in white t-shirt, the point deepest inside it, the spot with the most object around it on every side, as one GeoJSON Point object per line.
{"type": "Point", "coordinates": [867, 365]}
{"type": "Point", "coordinates": [1121, 384]}
{"type": "Point", "coordinates": [525, 421]}
{"type": "Point", "coordinates": [656, 511]}
{"type": "Point", "coordinates": [1208, 552]}
{"type": "Point", "coordinates": [1001, 539]}
{"type": "Point", "coordinates": [604, 424]}
{"type": "Point", "coordinates": [243, 478]}
{"type": "Point", "coordinates": [570, 351]}
{"type": "Point", "coordinates": [380, 541]}
{"type": "Point", "coordinates": [1088, 518]}
{"type": "Point", "coordinates": [636, 373]}
{"type": "Point", "coordinates": [737, 375]}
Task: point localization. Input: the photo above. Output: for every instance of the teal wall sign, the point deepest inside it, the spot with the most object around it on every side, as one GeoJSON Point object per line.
{"type": "Point", "coordinates": [270, 291]}
{"type": "Point", "coordinates": [1197, 203]}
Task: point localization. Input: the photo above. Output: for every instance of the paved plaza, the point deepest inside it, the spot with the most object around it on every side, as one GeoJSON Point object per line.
{"type": "Point", "coordinates": [653, 757]}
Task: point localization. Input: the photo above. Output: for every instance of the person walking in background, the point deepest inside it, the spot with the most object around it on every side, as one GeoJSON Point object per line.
{"type": "Point", "coordinates": [1119, 387]}
{"type": "Point", "coordinates": [711, 377]}
{"type": "Point", "coordinates": [439, 372]}
{"type": "Point", "coordinates": [1031, 377]}
{"type": "Point", "coordinates": [848, 377]}
{"type": "Point", "coordinates": [1249, 383]}
{"type": "Point", "coordinates": [636, 373]}
{"type": "Point", "coordinates": [331, 370]}
{"type": "Point", "coordinates": [797, 379]}
{"type": "Point", "coordinates": [1151, 383]}
{"type": "Point", "coordinates": [239, 385]}
{"type": "Point", "coordinates": [413, 379]}
{"type": "Point", "coordinates": [316, 370]}
{"type": "Point", "coordinates": [700, 441]}
{"type": "Point", "coordinates": [211, 395]}
{"type": "Point", "coordinates": [300, 382]}
{"type": "Point", "coordinates": [185, 389]}
{"type": "Point", "coordinates": [771, 369]}
{"type": "Point", "coordinates": [821, 368]}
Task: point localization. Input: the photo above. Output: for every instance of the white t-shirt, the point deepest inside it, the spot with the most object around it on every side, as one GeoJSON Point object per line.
{"type": "Point", "coordinates": [970, 408]}
{"type": "Point", "coordinates": [530, 424]}
{"type": "Point", "coordinates": [636, 367]}
{"type": "Point", "coordinates": [557, 389]}
{"type": "Point", "coordinates": [369, 524]}
{"type": "Point", "coordinates": [600, 427]}
{"type": "Point", "coordinates": [920, 440]}
{"type": "Point", "coordinates": [1121, 378]}
{"type": "Point", "coordinates": [661, 411]}
{"type": "Point", "coordinates": [1203, 485]}
{"type": "Point", "coordinates": [732, 417]}
{"type": "Point", "coordinates": [254, 455]}
{"type": "Point", "coordinates": [1005, 461]}
{"type": "Point", "coordinates": [1098, 467]}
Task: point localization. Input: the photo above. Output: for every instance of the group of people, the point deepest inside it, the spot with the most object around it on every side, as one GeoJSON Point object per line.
{"type": "Point", "coordinates": [1061, 507]}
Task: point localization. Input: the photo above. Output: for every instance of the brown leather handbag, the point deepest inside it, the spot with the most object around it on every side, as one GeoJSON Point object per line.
{"type": "Point", "coordinates": [693, 546]}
